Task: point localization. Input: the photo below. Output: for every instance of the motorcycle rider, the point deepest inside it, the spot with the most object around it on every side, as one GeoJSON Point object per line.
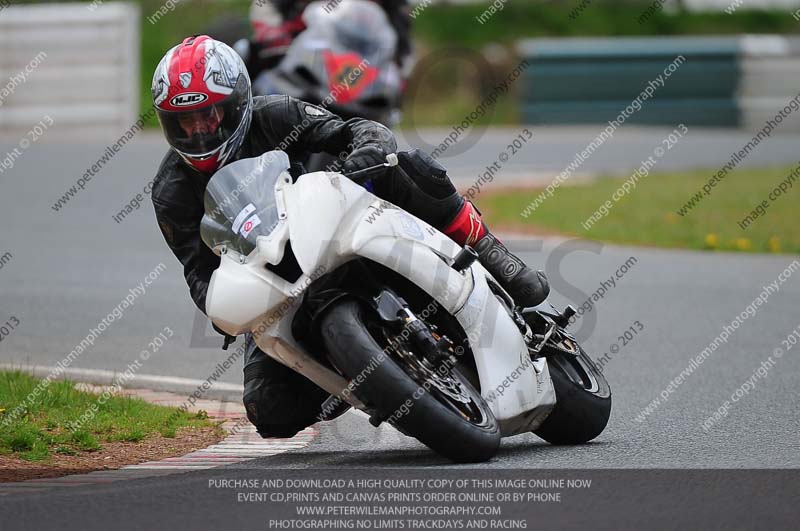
{"type": "Point", "coordinates": [277, 22]}
{"type": "Point", "coordinates": [202, 95]}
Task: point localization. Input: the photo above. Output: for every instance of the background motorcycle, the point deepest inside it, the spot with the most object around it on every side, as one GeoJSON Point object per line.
{"type": "Point", "coordinates": [343, 60]}
{"type": "Point", "coordinates": [385, 312]}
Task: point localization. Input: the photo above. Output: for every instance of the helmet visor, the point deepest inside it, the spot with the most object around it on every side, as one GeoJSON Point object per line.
{"type": "Point", "coordinates": [202, 131]}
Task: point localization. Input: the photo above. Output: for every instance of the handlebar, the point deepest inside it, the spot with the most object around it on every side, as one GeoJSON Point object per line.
{"type": "Point", "coordinates": [362, 175]}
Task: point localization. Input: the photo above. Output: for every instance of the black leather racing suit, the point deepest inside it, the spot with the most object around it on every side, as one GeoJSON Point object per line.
{"type": "Point", "coordinates": [279, 401]}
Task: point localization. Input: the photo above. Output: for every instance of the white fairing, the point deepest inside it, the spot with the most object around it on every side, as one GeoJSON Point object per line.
{"type": "Point", "coordinates": [330, 220]}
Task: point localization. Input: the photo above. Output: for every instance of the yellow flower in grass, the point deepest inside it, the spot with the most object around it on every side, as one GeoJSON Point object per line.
{"type": "Point", "coordinates": [672, 218]}
{"type": "Point", "coordinates": [743, 244]}
{"type": "Point", "coordinates": [774, 244]}
{"type": "Point", "coordinates": [712, 240]}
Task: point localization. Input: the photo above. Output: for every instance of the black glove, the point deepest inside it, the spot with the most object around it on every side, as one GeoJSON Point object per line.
{"type": "Point", "coordinates": [363, 158]}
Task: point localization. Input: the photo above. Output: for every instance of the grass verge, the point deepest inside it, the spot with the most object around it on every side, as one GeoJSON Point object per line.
{"type": "Point", "coordinates": [458, 23]}
{"type": "Point", "coordinates": [648, 214]}
{"type": "Point", "coordinates": [60, 419]}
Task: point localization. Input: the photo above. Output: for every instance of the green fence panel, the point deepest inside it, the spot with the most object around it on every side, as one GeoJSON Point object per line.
{"type": "Point", "coordinates": [575, 81]}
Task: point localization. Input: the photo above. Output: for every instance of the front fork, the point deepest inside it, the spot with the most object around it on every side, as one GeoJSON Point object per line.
{"type": "Point", "coordinates": [436, 350]}
{"type": "Point", "coordinates": [394, 310]}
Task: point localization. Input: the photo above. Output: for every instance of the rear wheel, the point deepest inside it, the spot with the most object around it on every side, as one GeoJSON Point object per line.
{"type": "Point", "coordinates": [583, 396]}
{"type": "Point", "coordinates": [440, 409]}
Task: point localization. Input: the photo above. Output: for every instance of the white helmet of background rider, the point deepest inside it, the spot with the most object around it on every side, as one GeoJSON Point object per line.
{"type": "Point", "coordinates": [202, 96]}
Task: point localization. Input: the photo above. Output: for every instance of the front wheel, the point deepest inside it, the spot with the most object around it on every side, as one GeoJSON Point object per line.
{"type": "Point", "coordinates": [444, 412]}
{"type": "Point", "coordinates": [583, 396]}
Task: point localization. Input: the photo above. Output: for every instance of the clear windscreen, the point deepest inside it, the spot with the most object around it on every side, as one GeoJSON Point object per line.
{"type": "Point", "coordinates": [240, 202]}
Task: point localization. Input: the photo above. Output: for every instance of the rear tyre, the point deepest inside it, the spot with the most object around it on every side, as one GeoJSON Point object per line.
{"type": "Point", "coordinates": [583, 398]}
{"type": "Point", "coordinates": [465, 433]}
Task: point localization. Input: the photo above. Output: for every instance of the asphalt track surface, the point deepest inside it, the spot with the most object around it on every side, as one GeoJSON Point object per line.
{"type": "Point", "coordinates": [69, 269]}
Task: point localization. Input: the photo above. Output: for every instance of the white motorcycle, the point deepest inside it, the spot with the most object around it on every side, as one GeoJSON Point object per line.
{"type": "Point", "coordinates": [388, 314]}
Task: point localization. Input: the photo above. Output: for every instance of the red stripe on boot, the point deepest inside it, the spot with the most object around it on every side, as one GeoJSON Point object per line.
{"type": "Point", "coordinates": [468, 227]}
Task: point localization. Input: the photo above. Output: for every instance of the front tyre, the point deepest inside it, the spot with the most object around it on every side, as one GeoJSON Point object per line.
{"type": "Point", "coordinates": [452, 419]}
{"type": "Point", "coordinates": [583, 397]}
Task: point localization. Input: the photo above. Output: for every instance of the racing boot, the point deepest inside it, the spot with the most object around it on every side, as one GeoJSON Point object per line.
{"type": "Point", "coordinates": [526, 286]}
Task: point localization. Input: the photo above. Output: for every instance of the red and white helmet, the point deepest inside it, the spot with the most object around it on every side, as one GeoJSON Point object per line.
{"type": "Point", "coordinates": [201, 93]}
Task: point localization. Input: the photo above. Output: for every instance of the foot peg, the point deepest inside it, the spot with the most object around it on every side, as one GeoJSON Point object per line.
{"type": "Point", "coordinates": [464, 258]}
{"type": "Point", "coordinates": [563, 319]}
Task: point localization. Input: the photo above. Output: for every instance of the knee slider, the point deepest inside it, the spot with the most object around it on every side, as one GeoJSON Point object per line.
{"type": "Point", "coordinates": [430, 176]}
{"type": "Point", "coordinates": [278, 431]}
{"type": "Point", "coordinates": [438, 212]}
{"type": "Point", "coordinates": [425, 189]}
